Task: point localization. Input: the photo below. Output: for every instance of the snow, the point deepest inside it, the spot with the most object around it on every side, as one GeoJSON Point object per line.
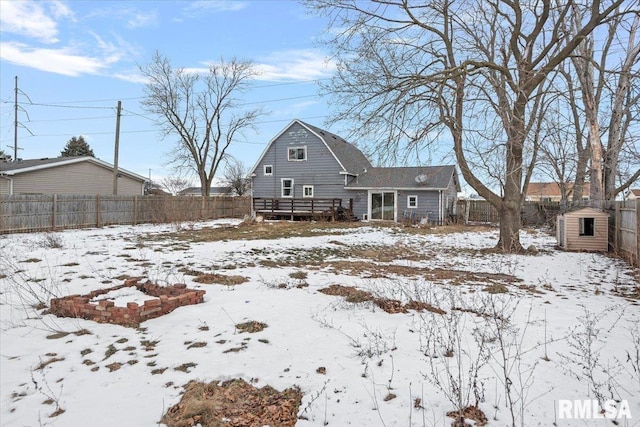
{"type": "Point", "coordinates": [122, 296]}
{"type": "Point", "coordinates": [367, 352]}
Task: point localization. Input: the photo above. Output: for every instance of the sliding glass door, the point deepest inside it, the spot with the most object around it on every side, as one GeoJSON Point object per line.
{"type": "Point", "coordinates": [383, 206]}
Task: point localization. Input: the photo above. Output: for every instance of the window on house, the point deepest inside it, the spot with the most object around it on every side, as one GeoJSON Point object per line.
{"type": "Point", "coordinates": [412, 201]}
{"type": "Point", "coordinates": [297, 154]}
{"type": "Point", "coordinates": [287, 187]}
{"type": "Point", "coordinates": [268, 170]}
{"type": "Point", "coordinates": [587, 226]}
{"type": "Point", "coordinates": [307, 191]}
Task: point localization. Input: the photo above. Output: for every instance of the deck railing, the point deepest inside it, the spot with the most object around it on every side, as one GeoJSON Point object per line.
{"type": "Point", "coordinates": [296, 206]}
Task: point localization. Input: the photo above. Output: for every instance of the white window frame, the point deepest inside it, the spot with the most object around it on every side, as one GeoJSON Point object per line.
{"type": "Point", "coordinates": [282, 188]}
{"type": "Point", "coordinates": [304, 191]}
{"type": "Point", "coordinates": [582, 227]}
{"type": "Point", "coordinates": [265, 170]}
{"type": "Point", "coordinates": [415, 201]}
{"type": "Point", "coordinates": [290, 149]}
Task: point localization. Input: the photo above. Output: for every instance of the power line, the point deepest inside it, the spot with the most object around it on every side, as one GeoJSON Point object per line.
{"type": "Point", "coordinates": [157, 130]}
{"type": "Point", "coordinates": [61, 103]}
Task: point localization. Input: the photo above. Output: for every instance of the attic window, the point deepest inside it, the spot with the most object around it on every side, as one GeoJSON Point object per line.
{"type": "Point", "coordinates": [297, 154]}
{"type": "Point", "coordinates": [268, 169]}
{"type": "Point", "coordinates": [587, 226]}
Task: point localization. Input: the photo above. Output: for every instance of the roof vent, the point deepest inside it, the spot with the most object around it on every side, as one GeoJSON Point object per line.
{"type": "Point", "coordinates": [421, 179]}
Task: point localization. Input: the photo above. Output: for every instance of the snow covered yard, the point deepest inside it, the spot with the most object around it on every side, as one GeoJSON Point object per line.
{"type": "Point", "coordinates": [558, 325]}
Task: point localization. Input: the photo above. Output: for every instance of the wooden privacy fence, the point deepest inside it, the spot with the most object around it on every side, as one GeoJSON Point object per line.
{"type": "Point", "coordinates": [26, 213]}
{"type": "Point", "coordinates": [626, 224]}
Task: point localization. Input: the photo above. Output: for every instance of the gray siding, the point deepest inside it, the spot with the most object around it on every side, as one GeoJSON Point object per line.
{"type": "Point", "coordinates": [76, 178]}
{"type": "Point", "coordinates": [427, 204]}
{"type": "Point", "coordinates": [320, 169]}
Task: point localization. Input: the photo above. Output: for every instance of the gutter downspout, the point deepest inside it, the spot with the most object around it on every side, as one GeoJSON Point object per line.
{"type": "Point", "coordinates": [440, 207]}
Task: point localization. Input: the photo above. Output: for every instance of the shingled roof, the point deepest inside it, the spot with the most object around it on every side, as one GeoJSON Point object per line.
{"type": "Point", "coordinates": [416, 177]}
{"type": "Point", "coordinates": [347, 154]}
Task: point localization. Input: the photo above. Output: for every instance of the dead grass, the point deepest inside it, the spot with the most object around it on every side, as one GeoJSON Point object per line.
{"type": "Point", "coordinates": [471, 413]}
{"type": "Point", "coordinates": [220, 279]}
{"type": "Point", "coordinates": [251, 326]}
{"type": "Point", "coordinates": [354, 295]}
{"type": "Point", "coordinates": [240, 403]}
{"type": "Point", "coordinates": [48, 362]}
{"type": "Point", "coordinates": [285, 229]}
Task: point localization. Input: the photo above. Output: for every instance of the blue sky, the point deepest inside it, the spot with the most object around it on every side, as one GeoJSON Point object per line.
{"type": "Point", "coordinates": [75, 59]}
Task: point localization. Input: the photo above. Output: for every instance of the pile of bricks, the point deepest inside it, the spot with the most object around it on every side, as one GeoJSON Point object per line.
{"type": "Point", "coordinates": [168, 299]}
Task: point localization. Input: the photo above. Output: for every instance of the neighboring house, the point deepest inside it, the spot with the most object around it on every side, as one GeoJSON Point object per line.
{"type": "Point", "coordinates": [214, 191]}
{"type": "Point", "coordinates": [66, 175]}
{"type": "Point", "coordinates": [305, 167]}
{"type": "Point", "coordinates": [633, 194]}
{"type": "Point", "coordinates": [550, 192]}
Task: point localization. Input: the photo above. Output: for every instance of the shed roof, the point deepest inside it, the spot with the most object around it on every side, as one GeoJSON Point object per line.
{"type": "Point", "coordinates": [586, 211]}
{"type": "Point", "coordinates": [416, 177]}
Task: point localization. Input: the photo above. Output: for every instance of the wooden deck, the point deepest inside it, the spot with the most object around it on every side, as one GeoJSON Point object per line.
{"type": "Point", "coordinates": [329, 209]}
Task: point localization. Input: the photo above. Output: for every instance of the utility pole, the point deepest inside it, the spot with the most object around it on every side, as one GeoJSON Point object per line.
{"type": "Point", "coordinates": [117, 143]}
{"type": "Point", "coordinates": [15, 124]}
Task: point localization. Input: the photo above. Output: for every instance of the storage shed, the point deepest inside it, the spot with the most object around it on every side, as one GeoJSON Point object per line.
{"type": "Point", "coordinates": [584, 229]}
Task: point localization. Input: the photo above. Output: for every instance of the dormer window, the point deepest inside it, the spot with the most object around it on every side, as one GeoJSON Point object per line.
{"type": "Point", "coordinates": [297, 154]}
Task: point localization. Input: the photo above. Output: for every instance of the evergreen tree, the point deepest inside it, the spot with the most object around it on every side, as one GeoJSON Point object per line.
{"type": "Point", "coordinates": [77, 147]}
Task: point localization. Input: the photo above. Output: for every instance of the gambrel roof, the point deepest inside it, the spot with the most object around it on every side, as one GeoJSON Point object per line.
{"type": "Point", "coordinates": [408, 178]}
{"type": "Point", "coordinates": [348, 156]}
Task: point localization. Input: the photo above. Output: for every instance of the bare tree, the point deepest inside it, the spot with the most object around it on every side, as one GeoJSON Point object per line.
{"type": "Point", "coordinates": [202, 110]}
{"type": "Point", "coordinates": [608, 73]}
{"type": "Point", "coordinates": [236, 176]}
{"type": "Point", "coordinates": [473, 71]}
{"type": "Point", "coordinates": [565, 152]}
{"type": "Point", "coordinates": [175, 184]}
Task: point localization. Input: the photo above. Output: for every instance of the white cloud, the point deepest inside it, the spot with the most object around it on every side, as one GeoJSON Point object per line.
{"type": "Point", "coordinates": [60, 61]}
{"type": "Point", "coordinates": [140, 19]}
{"type": "Point", "coordinates": [295, 65]}
{"type": "Point", "coordinates": [217, 5]}
{"type": "Point", "coordinates": [33, 19]}
{"type": "Point", "coordinates": [132, 77]}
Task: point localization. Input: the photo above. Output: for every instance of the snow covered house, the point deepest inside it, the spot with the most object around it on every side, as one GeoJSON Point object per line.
{"type": "Point", "coordinates": [306, 171]}
{"type": "Point", "coordinates": [584, 229]}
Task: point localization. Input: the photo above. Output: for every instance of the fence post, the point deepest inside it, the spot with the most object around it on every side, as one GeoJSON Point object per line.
{"type": "Point", "coordinates": [135, 209]}
{"type": "Point", "coordinates": [97, 210]}
{"type": "Point", "coordinates": [616, 228]}
{"type": "Point", "coordinates": [638, 232]}
{"type": "Point", "coordinates": [54, 214]}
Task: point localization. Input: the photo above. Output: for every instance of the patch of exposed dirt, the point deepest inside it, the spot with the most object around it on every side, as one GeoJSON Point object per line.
{"type": "Point", "coordinates": [234, 403]}
{"type": "Point", "coordinates": [220, 279]}
{"type": "Point", "coordinates": [471, 413]}
{"type": "Point", "coordinates": [368, 269]}
{"type": "Point", "coordinates": [391, 306]}
{"type": "Point", "coordinates": [251, 326]}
